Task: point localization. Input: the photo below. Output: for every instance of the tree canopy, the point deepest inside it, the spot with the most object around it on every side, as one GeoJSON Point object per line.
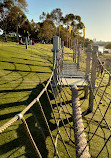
{"type": "Point", "coordinates": [108, 46]}
{"type": "Point", "coordinates": [13, 19]}
{"type": "Point", "coordinates": [47, 30]}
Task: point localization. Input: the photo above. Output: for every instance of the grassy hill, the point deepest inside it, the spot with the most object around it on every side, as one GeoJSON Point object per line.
{"type": "Point", "coordinates": [23, 74]}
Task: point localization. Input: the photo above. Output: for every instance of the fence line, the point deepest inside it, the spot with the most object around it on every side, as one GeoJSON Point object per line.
{"type": "Point", "coordinates": [99, 89]}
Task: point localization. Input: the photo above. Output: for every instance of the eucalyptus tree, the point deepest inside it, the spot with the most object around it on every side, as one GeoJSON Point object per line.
{"type": "Point", "coordinates": [108, 46]}
{"type": "Point", "coordinates": [74, 21]}
{"type": "Point", "coordinates": [35, 27]}
{"type": "Point", "coordinates": [12, 13]}
{"type": "Point", "coordinates": [55, 16]}
{"type": "Point", "coordinates": [47, 30]}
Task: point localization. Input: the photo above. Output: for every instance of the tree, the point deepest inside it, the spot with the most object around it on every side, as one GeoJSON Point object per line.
{"type": "Point", "coordinates": [35, 27]}
{"type": "Point", "coordinates": [43, 16]}
{"type": "Point", "coordinates": [15, 19]}
{"type": "Point", "coordinates": [56, 16]}
{"type": "Point", "coordinates": [74, 21]}
{"type": "Point", "coordinates": [11, 12]}
{"type": "Point", "coordinates": [108, 46]}
{"type": "Point", "coordinates": [47, 30]}
{"type": "Point", "coordinates": [26, 26]}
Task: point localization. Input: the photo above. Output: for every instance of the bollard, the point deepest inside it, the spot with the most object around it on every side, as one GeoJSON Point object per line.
{"type": "Point", "coordinates": [93, 77]}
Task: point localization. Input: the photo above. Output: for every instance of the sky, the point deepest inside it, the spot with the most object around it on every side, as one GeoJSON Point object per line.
{"type": "Point", "coordinates": [95, 14]}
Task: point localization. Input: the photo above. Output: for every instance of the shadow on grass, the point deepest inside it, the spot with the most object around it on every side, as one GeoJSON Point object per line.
{"type": "Point", "coordinates": [94, 136]}
{"type": "Point", "coordinates": [22, 140]}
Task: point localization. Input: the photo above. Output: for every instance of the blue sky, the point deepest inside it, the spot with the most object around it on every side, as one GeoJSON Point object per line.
{"type": "Point", "coordinates": [95, 14]}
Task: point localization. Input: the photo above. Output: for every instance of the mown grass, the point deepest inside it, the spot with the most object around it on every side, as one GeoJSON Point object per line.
{"type": "Point", "coordinates": [22, 73]}
{"type": "Point", "coordinates": [22, 76]}
{"type": "Point", "coordinates": [98, 128]}
{"type": "Point", "coordinates": [107, 58]}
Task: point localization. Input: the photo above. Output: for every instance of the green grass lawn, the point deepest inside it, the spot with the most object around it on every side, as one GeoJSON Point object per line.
{"type": "Point", "coordinates": [22, 76]}
{"type": "Point", "coordinates": [22, 73]}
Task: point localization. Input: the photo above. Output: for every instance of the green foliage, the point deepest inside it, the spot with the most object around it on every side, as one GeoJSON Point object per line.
{"type": "Point", "coordinates": [22, 75]}
{"type": "Point", "coordinates": [56, 16]}
{"type": "Point", "coordinates": [108, 46]}
{"type": "Point", "coordinates": [13, 19]}
{"type": "Point", "coordinates": [74, 21]}
{"type": "Point", "coordinates": [12, 14]}
{"type": "Point", "coordinates": [87, 41]}
{"type": "Point", "coordinates": [47, 30]}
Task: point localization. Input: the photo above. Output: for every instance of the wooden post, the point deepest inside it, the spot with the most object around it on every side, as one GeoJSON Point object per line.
{"type": "Point", "coordinates": [93, 77]}
{"type": "Point", "coordinates": [74, 50]}
{"type": "Point", "coordinates": [26, 42]}
{"type": "Point", "coordinates": [82, 150]}
{"type": "Point", "coordinates": [60, 43]}
{"type": "Point", "coordinates": [88, 52]}
{"type": "Point", "coordinates": [55, 50]}
{"type": "Point", "coordinates": [62, 46]}
{"type": "Point", "coordinates": [76, 45]}
{"type": "Point", "coordinates": [56, 46]}
{"type": "Point", "coordinates": [78, 57]}
{"type": "Point", "coordinates": [109, 79]}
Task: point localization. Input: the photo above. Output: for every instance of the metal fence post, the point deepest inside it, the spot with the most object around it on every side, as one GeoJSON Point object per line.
{"type": "Point", "coordinates": [93, 77]}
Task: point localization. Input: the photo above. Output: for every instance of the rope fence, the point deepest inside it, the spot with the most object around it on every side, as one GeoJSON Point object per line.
{"type": "Point", "coordinates": [91, 127]}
